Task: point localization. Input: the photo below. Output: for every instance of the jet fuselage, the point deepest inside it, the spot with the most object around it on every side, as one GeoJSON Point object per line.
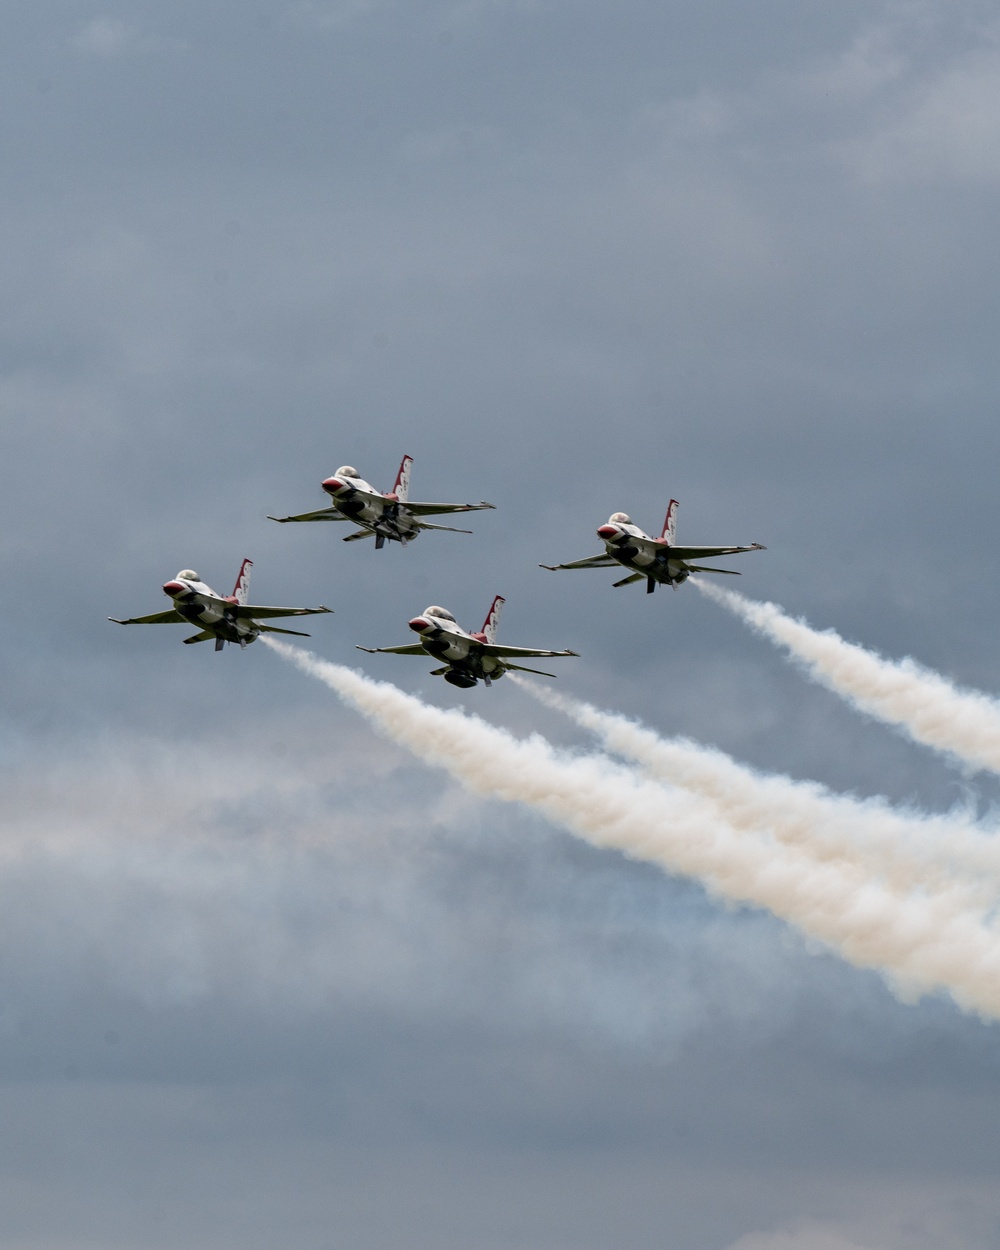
{"type": "Point", "coordinates": [446, 640]}
{"type": "Point", "coordinates": [198, 603]}
{"type": "Point", "coordinates": [635, 550]}
{"type": "Point", "coordinates": [360, 502]}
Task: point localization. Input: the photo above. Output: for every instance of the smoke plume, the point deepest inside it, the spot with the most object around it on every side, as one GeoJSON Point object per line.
{"type": "Point", "coordinates": [930, 709]}
{"type": "Point", "coordinates": [908, 849]}
{"type": "Point", "coordinates": [921, 942]}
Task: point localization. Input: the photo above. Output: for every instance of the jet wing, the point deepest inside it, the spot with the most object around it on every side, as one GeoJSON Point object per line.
{"type": "Point", "coordinates": [170, 617]}
{"type": "Point", "coordinates": [247, 612]}
{"type": "Point", "coordinates": [322, 514]}
{"type": "Point", "coordinates": [412, 648]}
{"type": "Point", "coordinates": [435, 509]}
{"type": "Point", "coordinates": [700, 553]}
{"type": "Point", "coordinates": [491, 648]}
{"type": "Point", "coordinates": [603, 561]}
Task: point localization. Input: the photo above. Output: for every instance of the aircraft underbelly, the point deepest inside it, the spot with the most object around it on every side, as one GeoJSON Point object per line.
{"type": "Point", "coordinates": [209, 617]}
{"type": "Point", "coordinates": [451, 649]}
{"type": "Point", "coordinates": [632, 557]}
{"type": "Point", "coordinates": [204, 614]}
{"type": "Point", "coordinates": [399, 526]}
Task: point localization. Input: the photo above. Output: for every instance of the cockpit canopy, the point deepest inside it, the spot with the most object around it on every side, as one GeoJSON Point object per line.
{"type": "Point", "coordinates": [346, 470]}
{"type": "Point", "coordinates": [619, 518]}
{"type": "Point", "coordinates": [188, 575]}
{"type": "Point", "coordinates": [441, 613]}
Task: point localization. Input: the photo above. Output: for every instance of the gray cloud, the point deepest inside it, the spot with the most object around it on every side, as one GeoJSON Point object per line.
{"type": "Point", "coordinates": [572, 259]}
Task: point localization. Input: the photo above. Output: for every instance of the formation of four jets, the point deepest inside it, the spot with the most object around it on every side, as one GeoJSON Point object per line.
{"type": "Point", "coordinates": [391, 516]}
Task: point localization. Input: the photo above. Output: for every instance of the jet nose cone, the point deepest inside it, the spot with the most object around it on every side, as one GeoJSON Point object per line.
{"type": "Point", "coordinates": [332, 485]}
{"type": "Point", "coordinates": [418, 624]}
{"type": "Point", "coordinates": [173, 588]}
{"type": "Point", "coordinates": [607, 531]}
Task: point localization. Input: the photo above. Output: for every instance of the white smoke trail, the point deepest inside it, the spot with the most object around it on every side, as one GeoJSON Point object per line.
{"type": "Point", "coordinates": [919, 942]}
{"type": "Point", "coordinates": [928, 707]}
{"type": "Point", "coordinates": [909, 849]}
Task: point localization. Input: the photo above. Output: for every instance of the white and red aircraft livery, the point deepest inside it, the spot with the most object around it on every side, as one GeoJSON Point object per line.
{"type": "Point", "coordinates": [390, 515]}
{"type": "Point", "coordinates": [468, 657]}
{"type": "Point", "coordinates": [651, 559]}
{"type": "Point", "coordinates": [226, 618]}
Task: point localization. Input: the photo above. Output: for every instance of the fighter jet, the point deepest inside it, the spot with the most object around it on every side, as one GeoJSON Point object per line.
{"type": "Point", "coordinates": [226, 618]}
{"type": "Point", "coordinates": [390, 516]}
{"type": "Point", "coordinates": [651, 559]}
{"type": "Point", "coordinates": [468, 657]}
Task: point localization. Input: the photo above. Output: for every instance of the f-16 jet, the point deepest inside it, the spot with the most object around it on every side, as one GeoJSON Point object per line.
{"type": "Point", "coordinates": [226, 618]}
{"type": "Point", "coordinates": [651, 559]}
{"type": "Point", "coordinates": [468, 657]}
{"type": "Point", "coordinates": [389, 516]}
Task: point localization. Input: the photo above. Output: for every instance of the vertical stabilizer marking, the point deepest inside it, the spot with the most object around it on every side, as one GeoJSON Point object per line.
{"type": "Point", "coordinates": [493, 619]}
{"type": "Point", "coordinates": [242, 588]}
{"type": "Point", "coordinates": [670, 524]}
{"type": "Point", "coordinates": [402, 488]}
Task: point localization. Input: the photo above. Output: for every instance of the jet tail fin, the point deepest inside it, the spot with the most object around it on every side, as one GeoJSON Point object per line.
{"type": "Point", "coordinates": [670, 524]}
{"type": "Point", "coordinates": [402, 488]}
{"type": "Point", "coordinates": [493, 619]}
{"type": "Point", "coordinates": [242, 588]}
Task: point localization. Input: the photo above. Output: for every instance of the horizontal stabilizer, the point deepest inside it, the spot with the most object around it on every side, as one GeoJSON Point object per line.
{"type": "Point", "coordinates": [702, 553]}
{"type": "Point", "coordinates": [353, 538]}
{"type": "Point", "coordinates": [275, 629]}
{"type": "Point", "coordinates": [204, 636]}
{"type": "Point", "coordinates": [250, 612]}
{"type": "Point", "coordinates": [428, 525]}
{"type": "Point", "coordinates": [521, 669]}
{"type": "Point", "coordinates": [707, 568]}
{"type": "Point", "coordinates": [635, 577]}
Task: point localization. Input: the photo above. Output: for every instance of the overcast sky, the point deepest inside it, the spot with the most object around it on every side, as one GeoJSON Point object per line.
{"type": "Point", "coordinates": [266, 980]}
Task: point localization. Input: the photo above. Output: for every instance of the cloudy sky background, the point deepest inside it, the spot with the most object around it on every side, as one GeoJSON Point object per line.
{"type": "Point", "coordinates": [263, 977]}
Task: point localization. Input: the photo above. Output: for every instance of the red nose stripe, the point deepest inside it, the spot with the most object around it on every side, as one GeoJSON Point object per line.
{"type": "Point", "coordinates": [418, 624]}
{"type": "Point", "coordinates": [332, 484]}
{"type": "Point", "coordinates": [607, 531]}
{"type": "Point", "coordinates": [173, 588]}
